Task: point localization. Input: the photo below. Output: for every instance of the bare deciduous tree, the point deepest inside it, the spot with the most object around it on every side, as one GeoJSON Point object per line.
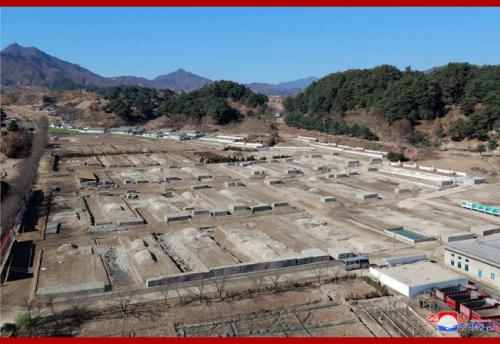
{"type": "Point", "coordinates": [276, 281]}
{"type": "Point", "coordinates": [182, 300]}
{"type": "Point", "coordinates": [199, 290]}
{"type": "Point", "coordinates": [28, 303]}
{"type": "Point", "coordinates": [165, 291]}
{"type": "Point", "coordinates": [336, 274]}
{"type": "Point", "coordinates": [50, 304]}
{"type": "Point", "coordinates": [220, 285]}
{"type": "Point", "coordinates": [124, 303]}
{"type": "Point", "coordinates": [318, 272]}
{"type": "Point", "coordinates": [78, 309]}
{"type": "Point", "coordinates": [36, 310]}
{"type": "Point", "coordinates": [258, 282]}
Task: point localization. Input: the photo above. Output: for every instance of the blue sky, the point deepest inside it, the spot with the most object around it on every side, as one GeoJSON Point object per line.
{"type": "Point", "coordinates": [255, 44]}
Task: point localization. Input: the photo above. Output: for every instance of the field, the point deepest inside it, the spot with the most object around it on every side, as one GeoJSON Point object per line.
{"type": "Point", "coordinates": [144, 219]}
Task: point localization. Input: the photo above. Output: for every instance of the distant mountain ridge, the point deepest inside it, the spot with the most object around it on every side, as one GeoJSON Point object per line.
{"type": "Point", "coordinates": [271, 89]}
{"type": "Point", "coordinates": [29, 67]}
{"type": "Point", "coordinates": [177, 80]}
{"type": "Point", "coordinates": [289, 88]}
{"type": "Point", "coordinates": [298, 84]}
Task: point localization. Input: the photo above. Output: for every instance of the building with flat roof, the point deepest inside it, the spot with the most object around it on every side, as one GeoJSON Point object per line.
{"type": "Point", "coordinates": [87, 178]}
{"type": "Point", "coordinates": [477, 258]}
{"type": "Point", "coordinates": [416, 278]}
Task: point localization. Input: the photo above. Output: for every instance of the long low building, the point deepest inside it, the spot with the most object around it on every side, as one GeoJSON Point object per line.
{"type": "Point", "coordinates": [416, 278]}
{"type": "Point", "coordinates": [477, 258]}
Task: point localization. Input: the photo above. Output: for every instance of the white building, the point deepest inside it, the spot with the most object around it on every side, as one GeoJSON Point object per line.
{"type": "Point", "coordinates": [231, 137]}
{"type": "Point", "coordinates": [176, 136]}
{"type": "Point", "coordinates": [477, 258]}
{"type": "Point", "coordinates": [416, 278]}
{"type": "Point", "coordinates": [193, 134]}
{"type": "Point", "coordinates": [97, 130]}
{"type": "Point", "coordinates": [56, 125]}
{"type": "Point", "coordinates": [152, 134]}
{"type": "Point", "coordinates": [121, 131]}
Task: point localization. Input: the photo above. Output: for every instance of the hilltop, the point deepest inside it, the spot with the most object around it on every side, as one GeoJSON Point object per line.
{"type": "Point", "coordinates": [459, 101]}
{"type": "Point", "coordinates": [32, 68]}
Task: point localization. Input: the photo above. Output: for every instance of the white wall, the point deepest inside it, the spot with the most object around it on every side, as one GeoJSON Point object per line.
{"type": "Point", "coordinates": [390, 282]}
{"type": "Point", "coordinates": [412, 291]}
{"type": "Point", "coordinates": [474, 267]}
{"type": "Point", "coordinates": [420, 288]}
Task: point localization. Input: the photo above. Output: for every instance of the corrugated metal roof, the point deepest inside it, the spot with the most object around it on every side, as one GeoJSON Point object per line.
{"type": "Point", "coordinates": [485, 249]}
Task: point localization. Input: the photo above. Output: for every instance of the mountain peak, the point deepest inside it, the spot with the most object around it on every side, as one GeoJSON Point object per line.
{"type": "Point", "coordinates": [16, 49]}
{"type": "Point", "coordinates": [12, 46]}
{"type": "Point", "coordinates": [31, 67]}
{"type": "Point", "coordinates": [180, 80]}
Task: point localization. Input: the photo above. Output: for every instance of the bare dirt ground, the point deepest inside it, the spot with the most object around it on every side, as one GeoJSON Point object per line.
{"type": "Point", "coordinates": [471, 162]}
{"type": "Point", "coordinates": [318, 308]}
{"type": "Point", "coordinates": [360, 227]}
{"type": "Point", "coordinates": [276, 102]}
{"type": "Point", "coordinates": [79, 107]}
{"type": "Point", "coordinates": [8, 168]}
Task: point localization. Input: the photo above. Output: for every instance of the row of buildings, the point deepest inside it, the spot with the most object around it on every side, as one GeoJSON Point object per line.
{"type": "Point", "coordinates": [472, 259]}
{"type": "Point", "coordinates": [470, 267]}
{"type": "Point", "coordinates": [171, 134]}
{"type": "Point", "coordinates": [166, 133]}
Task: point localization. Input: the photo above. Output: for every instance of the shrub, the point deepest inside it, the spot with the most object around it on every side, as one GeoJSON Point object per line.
{"type": "Point", "coordinates": [492, 144]}
{"type": "Point", "coordinates": [24, 323]}
{"type": "Point", "coordinates": [16, 144]}
{"type": "Point", "coordinates": [394, 157]}
{"type": "Point", "coordinates": [13, 126]}
{"type": "Point", "coordinates": [418, 138]}
{"type": "Point", "coordinates": [48, 100]}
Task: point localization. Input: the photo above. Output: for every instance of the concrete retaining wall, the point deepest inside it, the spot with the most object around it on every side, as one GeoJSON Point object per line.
{"type": "Point", "coordinates": [450, 237]}
{"type": "Point", "coordinates": [485, 230]}
{"type": "Point", "coordinates": [176, 218]}
{"type": "Point", "coordinates": [280, 204]}
{"type": "Point", "coordinates": [199, 186]}
{"type": "Point", "coordinates": [260, 207]}
{"type": "Point", "coordinates": [234, 270]}
{"type": "Point", "coordinates": [36, 274]}
{"type": "Point", "coordinates": [75, 289]}
{"type": "Point", "coordinates": [200, 212]}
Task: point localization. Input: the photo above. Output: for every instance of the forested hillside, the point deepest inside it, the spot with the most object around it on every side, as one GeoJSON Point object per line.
{"type": "Point", "coordinates": [402, 96]}
{"type": "Point", "coordinates": [140, 104]}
